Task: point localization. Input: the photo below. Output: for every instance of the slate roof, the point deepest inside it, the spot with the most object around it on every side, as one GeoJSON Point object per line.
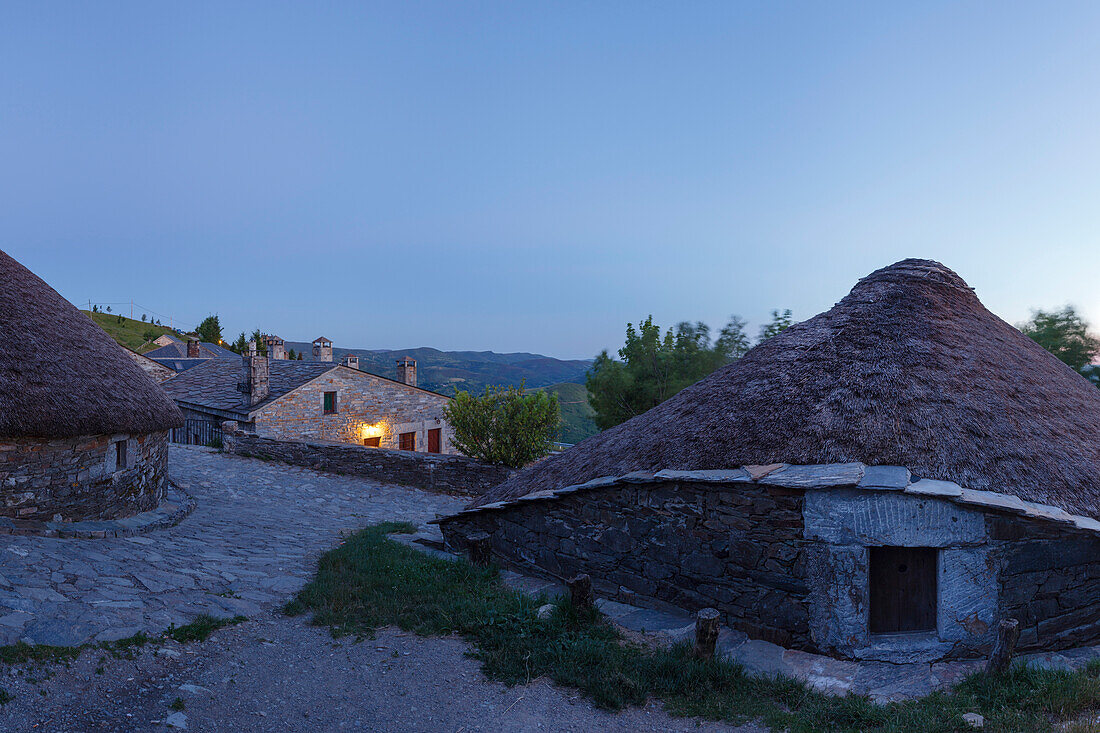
{"type": "Point", "coordinates": [180, 365]}
{"type": "Point", "coordinates": [214, 383]}
{"type": "Point", "coordinates": [179, 351]}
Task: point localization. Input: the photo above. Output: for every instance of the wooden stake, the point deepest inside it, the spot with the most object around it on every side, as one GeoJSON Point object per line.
{"type": "Point", "coordinates": [580, 589]}
{"type": "Point", "coordinates": [1008, 633]}
{"type": "Point", "coordinates": [480, 548]}
{"type": "Point", "coordinates": [706, 633]}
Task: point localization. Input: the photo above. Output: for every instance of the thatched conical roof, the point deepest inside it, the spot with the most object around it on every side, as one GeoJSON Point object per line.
{"type": "Point", "coordinates": [909, 369]}
{"type": "Point", "coordinates": [61, 375]}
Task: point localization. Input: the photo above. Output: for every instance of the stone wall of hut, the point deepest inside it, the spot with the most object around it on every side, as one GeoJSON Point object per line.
{"type": "Point", "coordinates": [792, 566]}
{"type": "Point", "coordinates": [1049, 581]}
{"type": "Point", "coordinates": [686, 545]}
{"type": "Point", "coordinates": [78, 478]}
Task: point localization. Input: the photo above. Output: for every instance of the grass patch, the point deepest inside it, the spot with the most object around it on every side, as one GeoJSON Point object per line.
{"type": "Point", "coordinates": [201, 628]}
{"type": "Point", "coordinates": [177, 704]}
{"type": "Point", "coordinates": [370, 582]}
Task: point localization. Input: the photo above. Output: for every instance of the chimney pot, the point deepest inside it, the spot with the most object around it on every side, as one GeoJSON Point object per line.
{"type": "Point", "coordinates": [192, 349]}
{"type": "Point", "coordinates": [406, 371]}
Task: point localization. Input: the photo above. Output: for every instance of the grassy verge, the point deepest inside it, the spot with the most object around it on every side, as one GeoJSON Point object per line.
{"type": "Point", "coordinates": [370, 582]}
{"type": "Point", "coordinates": [44, 654]}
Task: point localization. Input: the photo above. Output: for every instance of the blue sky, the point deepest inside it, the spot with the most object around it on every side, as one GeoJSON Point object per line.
{"type": "Point", "coordinates": [531, 176]}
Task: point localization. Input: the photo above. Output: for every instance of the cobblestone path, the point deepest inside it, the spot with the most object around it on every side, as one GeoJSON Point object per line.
{"type": "Point", "coordinates": [251, 543]}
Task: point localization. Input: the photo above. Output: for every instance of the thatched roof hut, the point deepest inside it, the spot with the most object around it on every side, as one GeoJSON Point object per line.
{"type": "Point", "coordinates": [910, 369]}
{"type": "Point", "coordinates": [61, 375]}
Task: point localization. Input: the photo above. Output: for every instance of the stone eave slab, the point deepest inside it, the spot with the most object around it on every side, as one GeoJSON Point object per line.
{"type": "Point", "coordinates": [815, 477]}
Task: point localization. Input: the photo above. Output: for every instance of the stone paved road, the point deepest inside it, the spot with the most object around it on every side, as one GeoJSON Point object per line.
{"type": "Point", "coordinates": [250, 544]}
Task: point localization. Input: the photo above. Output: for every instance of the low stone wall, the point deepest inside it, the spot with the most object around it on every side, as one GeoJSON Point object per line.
{"type": "Point", "coordinates": [76, 478]}
{"type": "Point", "coordinates": [432, 471]}
{"type": "Point", "coordinates": [688, 545]}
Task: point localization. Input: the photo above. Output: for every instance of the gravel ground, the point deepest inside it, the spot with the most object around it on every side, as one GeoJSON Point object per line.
{"type": "Point", "coordinates": [279, 674]}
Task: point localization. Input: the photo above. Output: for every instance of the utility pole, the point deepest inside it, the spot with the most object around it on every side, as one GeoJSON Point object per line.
{"type": "Point", "coordinates": [131, 310]}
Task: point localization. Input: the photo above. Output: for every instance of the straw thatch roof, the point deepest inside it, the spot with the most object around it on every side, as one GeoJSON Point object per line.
{"type": "Point", "coordinates": [908, 370]}
{"type": "Point", "coordinates": [61, 375]}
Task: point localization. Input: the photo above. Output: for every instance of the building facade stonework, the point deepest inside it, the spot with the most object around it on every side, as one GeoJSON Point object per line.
{"type": "Point", "coordinates": [359, 408]}
{"type": "Point", "coordinates": [84, 477]}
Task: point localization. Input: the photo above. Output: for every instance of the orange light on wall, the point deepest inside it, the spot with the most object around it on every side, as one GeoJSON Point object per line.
{"type": "Point", "coordinates": [372, 431]}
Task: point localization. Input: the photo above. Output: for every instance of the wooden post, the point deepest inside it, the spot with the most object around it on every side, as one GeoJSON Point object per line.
{"type": "Point", "coordinates": [580, 589]}
{"type": "Point", "coordinates": [706, 633]}
{"type": "Point", "coordinates": [1008, 633]}
{"type": "Point", "coordinates": [480, 549]}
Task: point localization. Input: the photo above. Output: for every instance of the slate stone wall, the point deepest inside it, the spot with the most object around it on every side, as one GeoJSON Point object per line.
{"type": "Point", "coordinates": [1050, 581]}
{"type": "Point", "coordinates": [432, 471]}
{"type": "Point", "coordinates": [77, 479]}
{"type": "Point", "coordinates": [689, 545]}
{"type": "Point", "coordinates": [366, 406]}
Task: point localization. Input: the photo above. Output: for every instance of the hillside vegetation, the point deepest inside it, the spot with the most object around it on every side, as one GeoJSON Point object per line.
{"type": "Point", "coordinates": [132, 334]}
{"type": "Point", "coordinates": [576, 414]}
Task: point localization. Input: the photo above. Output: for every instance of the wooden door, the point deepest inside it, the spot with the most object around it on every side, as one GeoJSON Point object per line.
{"type": "Point", "coordinates": [903, 589]}
{"type": "Point", "coordinates": [435, 440]}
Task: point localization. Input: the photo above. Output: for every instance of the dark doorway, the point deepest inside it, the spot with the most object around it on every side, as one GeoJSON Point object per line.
{"type": "Point", "coordinates": [435, 440]}
{"type": "Point", "coordinates": [903, 589]}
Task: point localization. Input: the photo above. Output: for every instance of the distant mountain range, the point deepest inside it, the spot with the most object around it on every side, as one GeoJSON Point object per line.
{"type": "Point", "coordinates": [448, 371]}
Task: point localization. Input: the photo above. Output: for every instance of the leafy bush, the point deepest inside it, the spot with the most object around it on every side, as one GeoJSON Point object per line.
{"type": "Point", "coordinates": [504, 425]}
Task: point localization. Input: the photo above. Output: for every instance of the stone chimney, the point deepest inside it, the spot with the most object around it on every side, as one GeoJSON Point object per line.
{"type": "Point", "coordinates": [193, 349]}
{"type": "Point", "coordinates": [350, 360]}
{"type": "Point", "coordinates": [322, 349]}
{"type": "Point", "coordinates": [256, 372]}
{"type": "Point", "coordinates": [276, 347]}
{"type": "Point", "coordinates": [406, 371]}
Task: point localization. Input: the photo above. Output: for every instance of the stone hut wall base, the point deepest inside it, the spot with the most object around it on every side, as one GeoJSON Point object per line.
{"type": "Point", "coordinates": [430, 471]}
{"type": "Point", "coordinates": [790, 564]}
{"type": "Point", "coordinates": [77, 478]}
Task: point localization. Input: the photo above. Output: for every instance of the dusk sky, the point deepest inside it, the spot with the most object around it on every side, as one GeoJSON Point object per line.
{"type": "Point", "coordinates": [522, 176]}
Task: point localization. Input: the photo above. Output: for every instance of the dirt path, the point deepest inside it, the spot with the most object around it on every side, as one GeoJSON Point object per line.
{"type": "Point", "coordinates": [279, 674]}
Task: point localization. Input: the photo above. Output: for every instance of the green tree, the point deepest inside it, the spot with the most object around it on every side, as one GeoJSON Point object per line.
{"type": "Point", "coordinates": [240, 345]}
{"type": "Point", "coordinates": [258, 337]}
{"type": "Point", "coordinates": [651, 367]}
{"type": "Point", "coordinates": [291, 356]}
{"type": "Point", "coordinates": [143, 317]}
{"type": "Point", "coordinates": [781, 321]}
{"type": "Point", "coordinates": [505, 425]}
{"type": "Point", "coordinates": [210, 330]}
{"type": "Point", "coordinates": [1065, 334]}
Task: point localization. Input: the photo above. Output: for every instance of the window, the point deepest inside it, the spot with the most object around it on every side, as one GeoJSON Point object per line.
{"type": "Point", "coordinates": [435, 440]}
{"type": "Point", "coordinates": [120, 455]}
{"type": "Point", "coordinates": [330, 403]}
{"type": "Point", "coordinates": [407, 441]}
{"type": "Point", "coordinates": [903, 589]}
{"type": "Point", "coordinates": [375, 442]}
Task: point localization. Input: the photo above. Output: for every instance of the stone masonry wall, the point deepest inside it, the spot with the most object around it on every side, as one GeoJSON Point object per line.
{"type": "Point", "coordinates": [77, 479]}
{"type": "Point", "coordinates": [1050, 581]}
{"type": "Point", "coordinates": [688, 545]}
{"type": "Point", "coordinates": [435, 472]}
{"type": "Point", "coordinates": [366, 406]}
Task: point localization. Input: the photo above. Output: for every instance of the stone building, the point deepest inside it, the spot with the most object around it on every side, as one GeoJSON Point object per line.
{"type": "Point", "coordinates": [887, 480]}
{"type": "Point", "coordinates": [313, 400]}
{"type": "Point", "coordinates": [156, 371]}
{"type": "Point", "coordinates": [351, 361]}
{"type": "Point", "coordinates": [83, 429]}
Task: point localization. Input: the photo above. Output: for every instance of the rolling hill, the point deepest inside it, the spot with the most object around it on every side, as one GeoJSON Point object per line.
{"type": "Point", "coordinates": [133, 334]}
